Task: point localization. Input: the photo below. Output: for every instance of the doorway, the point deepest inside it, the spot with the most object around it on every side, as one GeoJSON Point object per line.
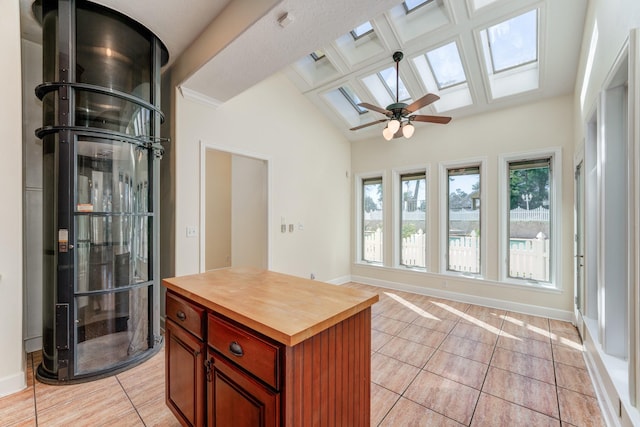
{"type": "Point", "coordinates": [235, 210]}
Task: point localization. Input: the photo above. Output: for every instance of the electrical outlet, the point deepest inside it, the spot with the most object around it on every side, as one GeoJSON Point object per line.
{"type": "Point", "coordinates": [312, 277]}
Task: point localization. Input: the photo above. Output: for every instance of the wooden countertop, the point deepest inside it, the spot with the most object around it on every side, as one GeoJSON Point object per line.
{"type": "Point", "coordinates": [286, 308]}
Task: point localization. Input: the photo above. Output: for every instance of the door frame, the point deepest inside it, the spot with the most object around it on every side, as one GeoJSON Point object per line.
{"type": "Point", "coordinates": [204, 146]}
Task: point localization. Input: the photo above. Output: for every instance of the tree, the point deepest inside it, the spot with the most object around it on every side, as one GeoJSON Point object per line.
{"type": "Point", "coordinates": [534, 181]}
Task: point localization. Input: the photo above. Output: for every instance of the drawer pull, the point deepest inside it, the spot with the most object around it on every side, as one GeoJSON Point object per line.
{"type": "Point", "coordinates": [180, 315]}
{"type": "Point", "coordinates": [236, 349]}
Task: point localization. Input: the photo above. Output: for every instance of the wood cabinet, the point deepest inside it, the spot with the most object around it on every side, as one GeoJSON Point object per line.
{"type": "Point", "coordinates": [256, 348]}
{"type": "Point", "coordinates": [185, 360]}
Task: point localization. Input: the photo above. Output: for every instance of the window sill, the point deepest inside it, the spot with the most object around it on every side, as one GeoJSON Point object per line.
{"type": "Point", "coordinates": [465, 279]}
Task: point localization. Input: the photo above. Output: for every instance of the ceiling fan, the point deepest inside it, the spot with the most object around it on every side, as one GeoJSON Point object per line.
{"type": "Point", "coordinates": [399, 115]}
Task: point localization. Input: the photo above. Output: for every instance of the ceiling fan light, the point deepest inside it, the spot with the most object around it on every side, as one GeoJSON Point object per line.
{"type": "Point", "coordinates": [407, 130]}
{"type": "Point", "coordinates": [394, 125]}
{"type": "Point", "coordinates": [386, 132]}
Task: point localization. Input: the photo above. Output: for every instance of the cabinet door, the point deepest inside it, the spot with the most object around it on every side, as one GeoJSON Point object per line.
{"type": "Point", "coordinates": [185, 375]}
{"type": "Point", "coordinates": [236, 399]}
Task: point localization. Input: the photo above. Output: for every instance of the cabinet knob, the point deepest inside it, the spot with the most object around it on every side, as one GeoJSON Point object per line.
{"type": "Point", "coordinates": [236, 349]}
{"type": "Point", "coordinates": [180, 315]}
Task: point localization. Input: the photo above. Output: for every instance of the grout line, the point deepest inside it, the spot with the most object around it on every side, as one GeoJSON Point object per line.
{"type": "Point", "coordinates": [130, 401]}
{"type": "Point", "coordinates": [33, 378]}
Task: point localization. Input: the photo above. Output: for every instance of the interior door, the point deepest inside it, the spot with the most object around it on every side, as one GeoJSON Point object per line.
{"type": "Point", "coordinates": [579, 290]}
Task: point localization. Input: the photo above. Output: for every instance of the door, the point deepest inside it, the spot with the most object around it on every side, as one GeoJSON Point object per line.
{"type": "Point", "coordinates": [579, 290]}
{"type": "Point", "coordinates": [185, 373]}
{"type": "Point", "coordinates": [236, 399]}
{"type": "Point", "coordinates": [235, 210]}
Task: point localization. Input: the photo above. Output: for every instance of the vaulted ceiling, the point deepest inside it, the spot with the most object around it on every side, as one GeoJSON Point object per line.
{"type": "Point", "coordinates": [257, 49]}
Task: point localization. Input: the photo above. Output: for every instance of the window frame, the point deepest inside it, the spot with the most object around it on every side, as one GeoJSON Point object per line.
{"type": "Point", "coordinates": [398, 174]}
{"type": "Point", "coordinates": [408, 10]}
{"type": "Point", "coordinates": [481, 164]}
{"type": "Point", "coordinates": [554, 155]}
{"type": "Point", "coordinates": [359, 229]}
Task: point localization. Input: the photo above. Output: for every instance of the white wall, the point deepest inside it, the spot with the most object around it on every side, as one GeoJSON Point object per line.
{"type": "Point", "coordinates": [12, 368]}
{"type": "Point", "coordinates": [534, 126]}
{"type": "Point", "coordinates": [309, 163]}
{"type": "Point", "coordinates": [607, 27]}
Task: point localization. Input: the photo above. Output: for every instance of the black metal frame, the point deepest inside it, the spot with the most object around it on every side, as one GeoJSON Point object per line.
{"type": "Point", "coordinates": [61, 354]}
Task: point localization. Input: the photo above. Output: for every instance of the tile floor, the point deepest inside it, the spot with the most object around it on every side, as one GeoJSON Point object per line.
{"type": "Point", "coordinates": [434, 362]}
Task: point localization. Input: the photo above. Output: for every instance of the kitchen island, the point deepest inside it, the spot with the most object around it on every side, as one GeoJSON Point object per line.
{"type": "Point", "coordinates": [249, 347]}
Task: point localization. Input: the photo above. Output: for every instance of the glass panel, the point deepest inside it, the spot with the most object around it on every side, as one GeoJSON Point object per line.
{"type": "Point", "coordinates": [352, 98]}
{"type": "Point", "coordinates": [411, 5]}
{"type": "Point", "coordinates": [388, 77]}
{"type": "Point", "coordinates": [317, 55]}
{"type": "Point", "coordinates": [361, 30]}
{"type": "Point", "coordinates": [529, 225]}
{"type": "Point", "coordinates": [413, 220]}
{"type": "Point", "coordinates": [372, 225]}
{"type": "Point", "coordinates": [108, 112]}
{"type": "Point", "coordinates": [112, 54]}
{"type": "Point", "coordinates": [112, 177]}
{"type": "Point", "coordinates": [464, 220]}
{"type": "Point", "coordinates": [446, 65]}
{"type": "Point", "coordinates": [514, 42]}
{"type": "Point", "coordinates": [111, 328]}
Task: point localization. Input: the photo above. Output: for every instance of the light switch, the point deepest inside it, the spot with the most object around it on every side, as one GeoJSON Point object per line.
{"type": "Point", "coordinates": [192, 231]}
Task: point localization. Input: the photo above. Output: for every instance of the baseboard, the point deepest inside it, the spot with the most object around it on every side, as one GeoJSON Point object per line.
{"type": "Point", "coordinates": [534, 310]}
{"type": "Point", "coordinates": [33, 344]}
{"type": "Point", "coordinates": [340, 280]}
{"type": "Point", "coordinates": [12, 383]}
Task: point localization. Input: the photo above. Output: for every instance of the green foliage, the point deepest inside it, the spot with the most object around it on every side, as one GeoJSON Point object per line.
{"type": "Point", "coordinates": [534, 181]}
{"type": "Point", "coordinates": [408, 229]}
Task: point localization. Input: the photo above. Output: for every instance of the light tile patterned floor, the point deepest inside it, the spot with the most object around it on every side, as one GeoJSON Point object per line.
{"type": "Point", "coordinates": [434, 363]}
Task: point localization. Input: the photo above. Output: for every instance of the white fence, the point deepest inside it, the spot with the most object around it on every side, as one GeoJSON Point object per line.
{"type": "Point", "coordinates": [517, 214]}
{"type": "Point", "coordinates": [528, 258]}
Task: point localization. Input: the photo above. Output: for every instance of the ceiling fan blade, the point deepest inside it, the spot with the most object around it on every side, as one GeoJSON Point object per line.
{"type": "Point", "coordinates": [422, 102]}
{"type": "Point", "coordinates": [368, 124]}
{"type": "Point", "coordinates": [375, 108]}
{"type": "Point", "coordinates": [443, 120]}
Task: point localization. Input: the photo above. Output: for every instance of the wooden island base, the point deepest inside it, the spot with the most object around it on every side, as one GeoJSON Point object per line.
{"type": "Point", "coordinates": [248, 347]}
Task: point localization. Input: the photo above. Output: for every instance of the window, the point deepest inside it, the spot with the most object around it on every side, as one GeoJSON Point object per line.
{"type": "Point", "coordinates": [446, 66]}
{"type": "Point", "coordinates": [361, 30]}
{"type": "Point", "coordinates": [514, 42]}
{"type": "Point", "coordinates": [411, 5]}
{"type": "Point", "coordinates": [463, 220]}
{"type": "Point", "coordinates": [372, 224]}
{"type": "Point", "coordinates": [529, 226]}
{"type": "Point", "coordinates": [388, 77]}
{"type": "Point", "coordinates": [413, 211]}
{"type": "Point", "coordinates": [353, 99]}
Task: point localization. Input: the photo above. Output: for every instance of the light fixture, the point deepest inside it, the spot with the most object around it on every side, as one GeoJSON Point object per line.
{"type": "Point", "coordinates": [387, 133]}
{"type": "Point", "coordinates": [407, 130]}
{"type": "Point", "coordinates": [400, 115]}
{"type": "Point", "coordinates": [394, 125]}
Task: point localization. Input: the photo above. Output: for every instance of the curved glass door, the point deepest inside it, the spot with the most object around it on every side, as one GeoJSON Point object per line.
{"type": "Point", "coordinates": [112, 221]}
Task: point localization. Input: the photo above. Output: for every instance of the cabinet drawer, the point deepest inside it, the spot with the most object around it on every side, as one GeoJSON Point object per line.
{"type": "Point", "coordinates": [243, 347]}
{"type": "Point", "coordinates": [186, 314]}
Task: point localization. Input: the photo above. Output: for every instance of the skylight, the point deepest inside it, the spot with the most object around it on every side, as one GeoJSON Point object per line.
{"type": "Point", "coordinates": [361, 30]}
{"type": "Point", "coordinates": [411, 5]}
{"type": "Point", "coordinates": [352, 98]}
{"type": "Point", "coordinates": [317, 55]}
{"type": "Point", "coordinates": [446, 66]}
{"type": "Point", "coordinates": [388, 77]}
{"type": "Point", "coordinates": [514, 42]}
